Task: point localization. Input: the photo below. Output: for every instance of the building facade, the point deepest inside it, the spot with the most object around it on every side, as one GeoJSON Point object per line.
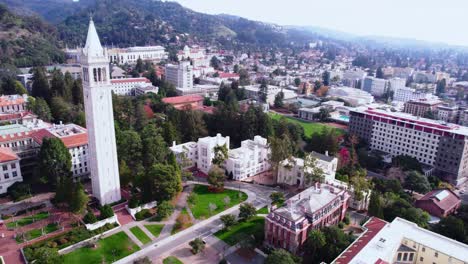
{"type": "Point", "coordinates": [250, 159]}
{"type": "Point", "coordinates": [316, 207]}
{"type": "Point", "coordinates": [181, 76]}
{"type": "Point", "coordinates": [421, 107]}
{"type": "Point", "coordinates": [132, 54]}
{"type": "Point", "coordinates": [439, 203]}
{"type": "Point", "coordinates": [97, 92]}
{"type": "Point", "coordinates": [375, 86]}
{"type": "Point", "coordinates": [405, 94]}
{"type": "Point", "coordinates": [442, 146]}
{"type": "Point", "coordinates": [127, 86]}
{"type": "Point", "coordinates": [10, 169]}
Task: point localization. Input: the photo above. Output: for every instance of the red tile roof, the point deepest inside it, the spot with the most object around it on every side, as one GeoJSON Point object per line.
{"type": "Point", "coordinates": [13, 116]}
{"type": "Point", "coordinates": [185, 99]}
{"type": "Point", "coordinates": [69, 141]}
{"type": "Point", "coordinates": [130, 80]}
{"type": "Point", "coordinates": [6, 100]}
{"type": "Point", "coordinates": [446, 203]}
{"type": "Point", "coordinates": [373, 227]}
{"type": "Point", "coordinates": [227, 75]}
{"type": "Point", "coordinates": [6, 154]}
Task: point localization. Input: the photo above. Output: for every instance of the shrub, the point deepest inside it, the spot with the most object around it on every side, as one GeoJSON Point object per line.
{"type": "Point", "coordinates": [246, 211]}
{"type": "Point", "coordinates": [143, 214]}
{"type": "Point", "coordinates": [346, 220]}
{"type": "Point", "coordinates": [106, 212]}
{"type": "Point", "coordinates": [192, 198]}
{"type": "Point", "coordinates": [341, 225]}
{"type": "Point", "coordinates": [90, 218]}
{"type": "Point", "coordinates": [164, 210]}
{"type": "Point", "coordinates": [18, 190]}
{"type": "Point", "coordinates": [134, 202]}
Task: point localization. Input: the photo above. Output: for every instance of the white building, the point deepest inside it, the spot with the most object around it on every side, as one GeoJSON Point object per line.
{"type": "Point", "coordinates": [291, 171]}
{"type": "Point", "coordinates": [396, 83]}
{"type": "Point", "coordinates": [97, 91]}
{"type": "Point", "coordinates": [405, 94]}
{"type": "Point", "coordinates": [181, 76]}
{"type": "Point", "coordinates": [10, 169]}
{"type": "Point", "coordinates": [132, 54]}
{"type": "Point", "coordinates": [353, 78]}
{"type": "Point", "coordinates": [127, 86]}
{"type": "Point", "coordinates": [142, 89]}
{"type": "Point", "coordinates": [375, 86]}
{"type": "Point", "coordinates": [248, 160]}
{"type": "Point", "coordinates": [353, 96]}
{"type": "Point", "coordinates": [13, 103]}
{"type": "Point", "coordinates": [402, 241]}
{"type": "Point", "coordinates": [252, 91]}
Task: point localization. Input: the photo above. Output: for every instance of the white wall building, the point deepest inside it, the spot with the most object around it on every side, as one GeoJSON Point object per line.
{"type": "Point", "coordinates": [181, 76]}
{"type": "Point", "coordinates": [97, 91]}
{"type": "Point", "coordinates": [353, 96]}
{"type": "Point", "coordinates": [132, 54]}
{"type": "Point", "coordinates": [248, 160]}
{"type": "Point", "coordinates": [375, 86]}
{"type": "Point", "coordinates": [396, 83]}
{"type": "Point", "coordinates": [291, 172]}
{"type": "Point", "coordinates": [10, 169]}
{"type": "Point", "coordinates": [405, 94]}
{"type": "Point", "coordinates": [252, 91]}
{"type": "Point", "coordinates": [127, 86]}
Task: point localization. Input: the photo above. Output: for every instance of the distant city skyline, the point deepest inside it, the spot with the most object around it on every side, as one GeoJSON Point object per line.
{"type": "Point", "coordinates": [428, 20]}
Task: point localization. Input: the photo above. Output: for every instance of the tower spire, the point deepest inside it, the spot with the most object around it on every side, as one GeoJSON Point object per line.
{"type": "Point", "coordinates": [93, 45]}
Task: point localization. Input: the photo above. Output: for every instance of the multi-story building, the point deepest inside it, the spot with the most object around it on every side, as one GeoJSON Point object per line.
{"type": "Point", "coordinates": [442, 146]}
{"type": "Point", "coordinates": [405, 94]}
{"type": "Point", "coordinates": [13, 103]}
{"type": "Point", "coordinates": [439, 203]}
{"type": "Point", "coordinates": [396, 83]}
{"type": "Point", "coordinates": [375, 86]}
{"type": "Point", "coordinates": [353, 78]}
{"type": "Point", "coordinates": [353, 96]}
{"type": "Point", "coordinates": [10, 169]}
{"type": "Point", "coordinates": [253, 92]}
{"type": "Point", "coordinates": [181, 76]}
{"type": "Point", "coordinates": [402, 241]}
{"type": "Point", "coordinates": [448, 113]}
{"type": "Point", "coordinates": [127, 86]}
{"type": "Point", "coordinates": [250, 159]}
{"type": "Point", "coordinates": [421, 107]}
{"type": "Point", "coordinates": [184, 101]}
{"type": "Point", "coordinates": [316, 207]}
{"type": "Point", "coordinates": [75, 139]}
{"type": "Point", "coordinates": [132, 54]}
{"type": "Point", "coordinates": [291, 171]}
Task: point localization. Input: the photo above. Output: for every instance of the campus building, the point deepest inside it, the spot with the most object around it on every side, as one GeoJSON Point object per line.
{"type": "Point", "coordinates": [132, 54]}
{"type": "Point", "coordinates": [127, 86]}
{"type": "Point", "coordinates": [10, 169]}
{"type": "Point", "coordinates": [316, 207]}
{"type": "Point", "coordinates": [375, 86]}
{"type": "Point", "coordinates": [250, 159]}
{"type": "Point", "coordinates": [443, 146]}
{"type": "Point", "coordinates": [439, 203]}
{"type": "Point", "coordinates": [402, 242]}
{"type": "Point", "coordinates": [421, 107]}
{"type": "Point", "coordinates": [181, 76]}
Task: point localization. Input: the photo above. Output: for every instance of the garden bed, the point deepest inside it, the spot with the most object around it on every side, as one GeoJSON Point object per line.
{"type": "Point", "coordinates": [35, 233]}
{"type": "Point", "coordinates": [28, 220]}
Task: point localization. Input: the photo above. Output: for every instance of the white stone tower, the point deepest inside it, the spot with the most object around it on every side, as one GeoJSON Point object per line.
{"type": "Point", "coordinates": [99, 119]}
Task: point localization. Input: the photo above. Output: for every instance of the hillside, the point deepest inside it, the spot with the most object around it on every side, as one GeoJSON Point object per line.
{"type": "Point", "coordinates": [27, 40]}
{"type": "Point", "coordinates": [147, 22]}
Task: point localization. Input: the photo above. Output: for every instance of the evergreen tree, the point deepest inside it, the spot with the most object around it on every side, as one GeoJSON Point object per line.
{"type": "Point", "coordinates": [376, 205]}
{"type": "Point", "coordinates": [57, 84]}
{"type": "Point", "coordinates": [54, 160]}
{"type": "Point", "coordinates": [326, 78]}
{"type": "Point", "coordinates": [379, 73]}
{"type": "Point", "coordinates": [161, 183]}
{"type": "Point", "coordinates": [40, 107]}
{"type": "Point", "coordinates": [77, 92]}
{"type": "Point", "coordinates": [79, 199]}
{"type": "Point", "coordinates": [154, 148]}
{"type": "Point", "coordinates": [40, 86]}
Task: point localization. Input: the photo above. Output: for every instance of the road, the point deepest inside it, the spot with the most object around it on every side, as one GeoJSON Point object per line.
{"type": "Point", "coordinates": [257, 195]}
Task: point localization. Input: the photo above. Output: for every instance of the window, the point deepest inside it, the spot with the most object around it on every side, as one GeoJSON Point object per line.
{"type": "Point", "coordinates": [15, 174]}
{"type": "Point", "coordinates": [5, 167]}
{"type": "Point", "coordinates": [13, 166]}
{"type": "Point", "coordinates": [436, 254]}
{"type": "Point", "coordinates": [6, 176]}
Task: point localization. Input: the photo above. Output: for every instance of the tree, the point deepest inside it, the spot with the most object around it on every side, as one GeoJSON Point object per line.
{"type": "Point", "coordinates": [154, 148]}
{"type": "Point", "coordinates": [54, 160]}
{"type": "Point", "coordinates": [77, 92]}
{"type": "Point", "coordinates": [280, 256]}
{"type": "Point", "coordinates": [376, 205]}
{"type": "Point", "coordinates": [452, 227]}
{"type": "Point", "coordinates": [280, 150]}
{"type": "Point", "coordinates": [40, 86]}
{"type": "Point", "coordinates": [57, 84]}
{"type": "Point", "coordinates": [315, 242]}
{"type": "Point", "coordinates": [90, 218]}
{"type": "Point", "coordinates": [226, 201]}
{"type": "Point", "coordinates": [40, 107]}
{"type": "Point", "coordinates": [297, 81]}
{"type": "Point", "coordinates": [279, 99]}
{"type": "Point", "coordinates": [106, 212]}
{"type": "Point", "coordinates": [336, 240]}
{"type": "Point", "coordinates": [129, 148]}
{"type": "Point", "coordinates": [215, 63]}
{"type": "Point", "coordinates": [161, 183]}
{"type": "Point", "coordinates": [326, 78]}
{"type": "Point", "coordinates": [220, 154]}
{"type": "Point", "coordinates": [323, 114]}
{"type": "Point", "coordinates": [197, 245]}
{"type": "Point", "coordinates": [407, 163]}
{"type": "Point", "coordinates": [216, 177]}
{"type": "Point", "coordinates": [415, 181]}
{"type": "Point", "coordinates": [312, 172]}
{"type": "Point", "coordinates": [139, 65]}
{"type": "Point", "coordinates": [379, 73]}
{"type": "Point", "coordinates": [277, 198]}
{"type": "Point", "coordinates": [144, 260]}
{"type": "Point", "coordinates": [263, 91]}
{"type": "Point", "coordinates": [79, 199]}
{"type": "Point", "coordinates": [164, 209]}
{"type": "Point", "coordinates": [212, 207]}
{"type": "Point", "coordinates": [247, 211]}
{"type": "Point", "coordinates": [61, 110]}
{"type": "Point", "coordinates": [244, 78]}
{"type": "Point", "coordinates": [440, 87]}
{"type": "Point", "coordinates": [46, 255]}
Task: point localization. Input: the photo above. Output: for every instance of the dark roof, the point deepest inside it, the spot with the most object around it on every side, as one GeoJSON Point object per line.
{"type": "Point", "coordinates": [445, 199]}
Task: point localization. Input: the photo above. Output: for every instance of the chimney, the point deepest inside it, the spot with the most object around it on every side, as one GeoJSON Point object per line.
{"type": "Point", "coordinates": [326, 153]}
{"type": "Point", "coordinates": [173, 143]}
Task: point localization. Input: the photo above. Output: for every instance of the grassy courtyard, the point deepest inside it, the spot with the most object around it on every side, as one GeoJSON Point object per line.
{"type": "Point", "coordinates": [172, 260]}
{"type": "Point", "coordinates": [154, 229]}
{"type": "Point", "coordinates": [200, 205]}
{"type": "Point", "coordinates": [263, 210]}
{"type": "Point", "coordinates": [310, 128]}
{"type": "Point", "coordinates": [136, 231]}
{"type": "Point", "coordinates": [108, 250]}
{"type": "Point", "coordinates": [35, 233]}
{"type": "Point", "coordinates": [28, 220]}
{"type": "Point", "coordinates": [253, 227]}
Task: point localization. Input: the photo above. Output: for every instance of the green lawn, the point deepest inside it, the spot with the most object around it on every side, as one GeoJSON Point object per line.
{"type": "Point", "coordinates": [310, 128]}
{"type": "Point", "coordinates": [238, 232]}
{"type": "Point", "coordinates": [28, 220]}
{"type": "Point", "coordinates": [140, 234]}
{"type": "Point", "coordinates": [35, 233]}
{"type": "Point", "coordinates": [263, 210]}
{"type": "Point", "coordinates": [200, 209]}
{"type": "Point", "coordinates": [172, 260]}
{"type": "Point", "coordinates": [109, 249]}
{"type": "Point", "coordinates": [154, 229]}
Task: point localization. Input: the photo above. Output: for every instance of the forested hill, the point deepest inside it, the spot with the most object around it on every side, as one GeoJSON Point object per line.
{"type": "Point", "coordinates": [27, 40]}
{"type": "Point", "coordinates": [147, 22]}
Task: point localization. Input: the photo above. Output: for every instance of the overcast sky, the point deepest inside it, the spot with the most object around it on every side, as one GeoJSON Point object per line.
{"type": "Point", "coordinates": [433, 20]}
